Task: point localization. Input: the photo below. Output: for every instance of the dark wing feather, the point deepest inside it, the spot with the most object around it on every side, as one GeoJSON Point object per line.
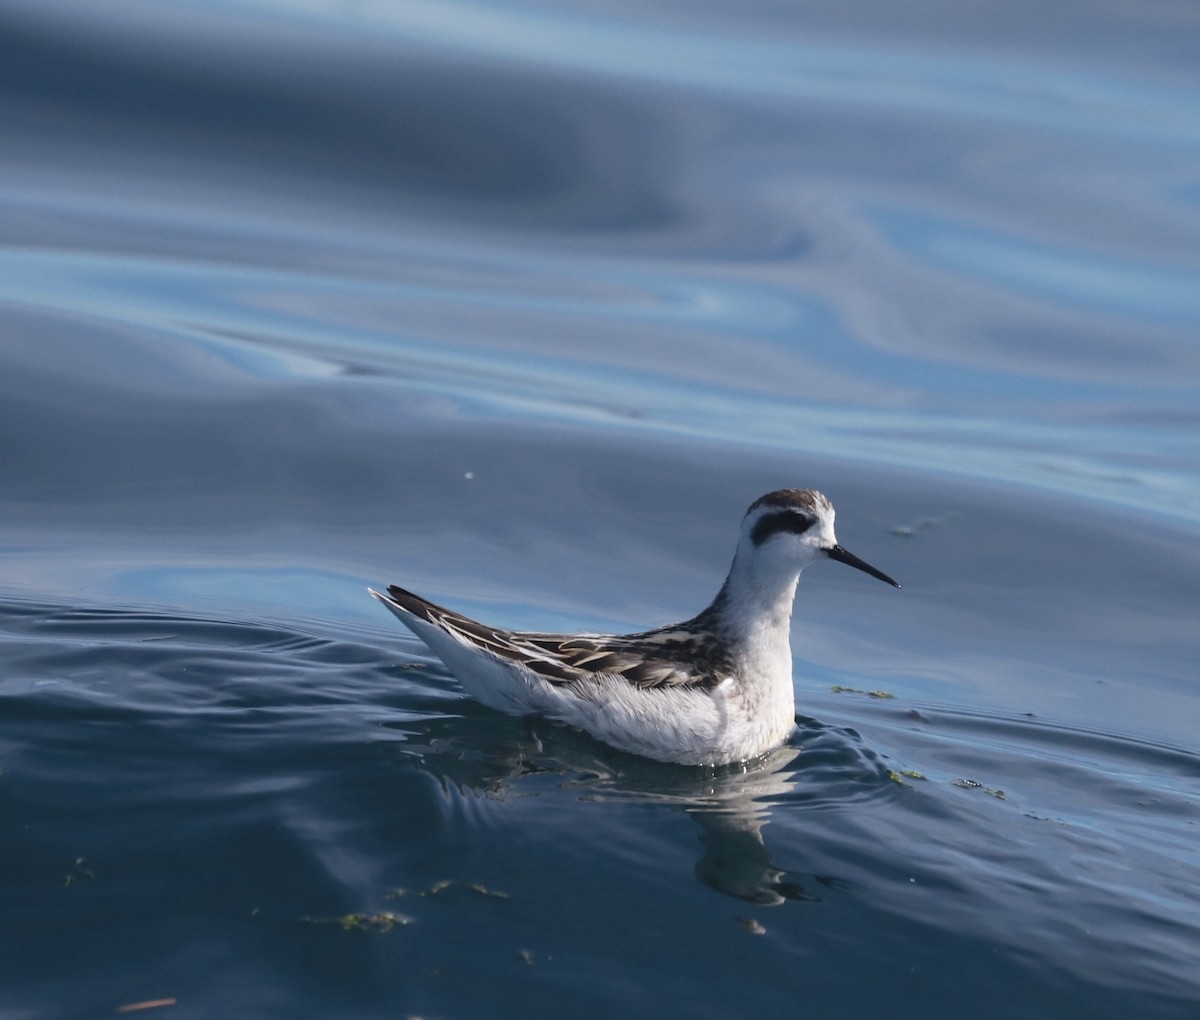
{"type": "Point", "coordinates": [671, 657]}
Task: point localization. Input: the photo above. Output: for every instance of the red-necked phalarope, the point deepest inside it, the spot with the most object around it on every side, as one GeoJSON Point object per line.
{"type": "Point", "coordinates": [713, 690]}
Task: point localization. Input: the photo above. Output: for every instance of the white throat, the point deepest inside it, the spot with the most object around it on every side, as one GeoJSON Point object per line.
{"type": "Point", "coordinates": [757, 599]}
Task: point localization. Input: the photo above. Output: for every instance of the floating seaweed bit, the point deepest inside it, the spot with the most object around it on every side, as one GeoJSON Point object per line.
{"type": "Point", "coordinates": [908, 530]}
{"type": "Point", "coordinates": [1043, 818]}
{"type": "Point", "coordinates": [138, 1007]}
{"type": "Point", "coordinates": [839, 689]}
{"type": "Point", "coordinates": [476, 887]}
{"type": "Point", "coordinates": [383, 921]}
{"type": "Point", "coordinates": [81, 871]}
{"type": "Point", "coordinates": [903, 774]}
{"type": "Point", "coordinates": [386, 920]}
{"type": "Point", "coordinates": [483, 890]}
{"type": "Point", "coordinates": [971, 784]}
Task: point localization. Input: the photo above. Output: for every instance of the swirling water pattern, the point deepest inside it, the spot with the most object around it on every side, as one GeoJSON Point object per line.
{"type": "Point", "coordinates": [520, 305]}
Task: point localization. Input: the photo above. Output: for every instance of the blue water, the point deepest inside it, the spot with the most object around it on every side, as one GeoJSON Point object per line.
{"type": "Point", "coordinates": [520, 306]}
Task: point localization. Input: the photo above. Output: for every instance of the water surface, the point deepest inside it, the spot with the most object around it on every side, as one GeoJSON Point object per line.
{"type": "Point", "coordinates": [520, 306]}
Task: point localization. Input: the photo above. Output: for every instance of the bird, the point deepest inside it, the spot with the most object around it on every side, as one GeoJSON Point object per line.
{"type": "Point", "coordinates": [714, 690]}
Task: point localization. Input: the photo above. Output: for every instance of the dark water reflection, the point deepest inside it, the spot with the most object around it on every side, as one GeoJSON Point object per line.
{"type": "Point", "coordinates": [521, 307]}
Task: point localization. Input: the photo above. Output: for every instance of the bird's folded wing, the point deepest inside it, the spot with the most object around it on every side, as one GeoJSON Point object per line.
{"type": "Point", "coordinates": [564, 658]}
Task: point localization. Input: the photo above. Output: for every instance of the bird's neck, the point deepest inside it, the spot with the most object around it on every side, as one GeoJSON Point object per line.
{"type": "Point", "coordinates": [754, 606]}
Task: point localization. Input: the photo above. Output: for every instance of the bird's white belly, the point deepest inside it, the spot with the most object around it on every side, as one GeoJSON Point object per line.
{"type": "Point", "coordinates": [689, 726]}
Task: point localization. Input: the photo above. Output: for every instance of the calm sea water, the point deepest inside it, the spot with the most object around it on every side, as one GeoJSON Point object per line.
{"type": "Point", "coordinates": [520, 306]}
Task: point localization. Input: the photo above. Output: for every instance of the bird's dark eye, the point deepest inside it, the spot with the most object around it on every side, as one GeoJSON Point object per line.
{"type": "Point", "coordinates": [784, 520]}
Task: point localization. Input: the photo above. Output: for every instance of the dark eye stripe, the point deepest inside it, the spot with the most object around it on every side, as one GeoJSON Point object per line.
{"type": "Point", "coordinates": [784, 520]}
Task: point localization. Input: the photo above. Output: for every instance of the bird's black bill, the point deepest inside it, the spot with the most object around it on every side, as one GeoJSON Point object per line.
{"type": "Point", "coordinates": [840, 554]}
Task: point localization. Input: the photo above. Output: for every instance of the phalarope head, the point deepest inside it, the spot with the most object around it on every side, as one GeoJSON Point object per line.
{"type": "Point", "coordinates": [796, 526]}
